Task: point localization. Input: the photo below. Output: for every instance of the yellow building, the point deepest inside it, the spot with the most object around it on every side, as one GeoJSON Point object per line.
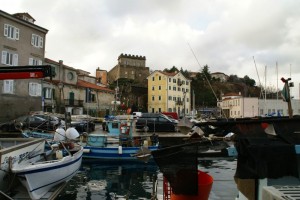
{"type": "Point", "coordinates": [169, 92]}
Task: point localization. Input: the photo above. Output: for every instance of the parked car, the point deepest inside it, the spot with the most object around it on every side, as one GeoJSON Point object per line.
{"type": "Point", "coordinates": [83, 123]}
{"type": "Point", "coordinates": [171, 118]}
{"type": "Point", "coordinates": [155, 122]}
{"type": "Point", "coordinates": [136, 114]}
{"type": "Point", "coordinates": [173, 115]}
{"type": "Point", "coordinates": [32, 122]}
{"type": "Point", "coordinates": [53, 120]}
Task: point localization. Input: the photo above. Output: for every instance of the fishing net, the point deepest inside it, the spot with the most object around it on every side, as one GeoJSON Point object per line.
{"type": "Point", "coordinates": [179, 166]}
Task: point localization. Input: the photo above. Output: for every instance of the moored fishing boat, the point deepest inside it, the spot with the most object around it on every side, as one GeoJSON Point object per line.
{"type": "Point", "coordinates": [39, 175]}
{"type": "Point", "coordinates": [14, 150]}
{"type": "Point", "coordinates": [119, 144]}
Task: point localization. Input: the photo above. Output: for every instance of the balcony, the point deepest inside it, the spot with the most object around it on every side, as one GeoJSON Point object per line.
{"type": "Point", "coordinates": [73, 102]}
{"type": "Point", "coordinates": [179, 102]}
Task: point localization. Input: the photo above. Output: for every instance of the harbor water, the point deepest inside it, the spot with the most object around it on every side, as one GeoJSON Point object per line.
{"type": "Point", "coordinates": [112, 181]}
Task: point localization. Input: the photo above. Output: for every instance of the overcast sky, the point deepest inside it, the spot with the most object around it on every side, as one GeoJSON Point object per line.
{"type": "Point", "coordinates": [229, 36]}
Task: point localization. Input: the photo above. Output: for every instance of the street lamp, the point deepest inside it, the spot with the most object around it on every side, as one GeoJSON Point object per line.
{"type": "Point", "coordinates": [61, 94]}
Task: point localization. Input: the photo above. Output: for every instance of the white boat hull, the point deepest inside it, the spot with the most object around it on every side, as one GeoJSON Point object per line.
{"type": "Point", "coordinates": [40, 177]}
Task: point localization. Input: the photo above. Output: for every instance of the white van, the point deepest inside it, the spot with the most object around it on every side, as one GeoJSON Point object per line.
{"type": "Point", "coordinates": [137, 114]}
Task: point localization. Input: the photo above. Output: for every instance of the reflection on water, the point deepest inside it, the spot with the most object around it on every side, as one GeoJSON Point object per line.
{"type": "Point", "coordinates": [111, 181]}
{"type": "Point", "coordinates": [222, 172]}
{"type": "Point", "coordinates": [100, 180]}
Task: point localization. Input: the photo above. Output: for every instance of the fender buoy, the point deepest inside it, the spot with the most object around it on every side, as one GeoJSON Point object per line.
{"type": "Point", "coordinates": [127, 130]}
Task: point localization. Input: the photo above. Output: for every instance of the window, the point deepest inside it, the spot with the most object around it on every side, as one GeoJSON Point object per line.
{"type": "Point", "coordinates": [152, 88]}
{"type": "Point", "coordinates": [187, 99]}
{"type": "Point", "coordinates": [153, 98]}
{"type": "Point", "coordinates": [37, 41]}
{"type": "Point", "coordinates": [8, 86]}
{"type": "Point", "coordinates": [170, 88]}
{"type": "Point", "coordinates": [261, 111]}
{"type": "Point", "coordinates": [178, 88]}
{"type": "Point", "coordinates": [152, 110]}
{"type": "Point", "coordinates": [33, 61]}
{"type": "Point", "coordinates": [186, 90]}
{"type": "Point", "coordinates": [9, 58]}
{"type": "Point", "coordinates": [174, 88]}
{"type": "Point", "coordinates": [35, 89]}
{"type": "Point", "coordinates": [183, 82]}
{"type": "Point", "coordinates": [174, 98]}
{"type": "Point", "coordinates": [174, 80]}
{"type": "Point", "coordinates": [170, 80]}
{"type": "Point", "coordinates": [159, 110]}
{"type": "Point", "coordinates": [11, 32]}
{"type": "Point", "coordinates": [187, 83]}
{"type": "Point", "coordinates": [159, 87]}
{"type": "Point", "coordinates": [170, 97]}
{"type": "Point", "coordinates": [153, 78]}
{"type": "Point", "coordinates": [159, 78]}
{"type": "Point", "coordinates": [159, 98]}
{"type": "Point", "coordinates": [47, 93]}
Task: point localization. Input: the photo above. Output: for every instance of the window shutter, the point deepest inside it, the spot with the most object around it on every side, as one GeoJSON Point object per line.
{"type": "Point", "coordinates": [6, 86]}
{"type": "Point", "coordinates": [40, 62]}
{"type": "Point", "coordinates": [30, 90]}
{"type": "Point", "coordinates": [4, 54]}
{"type": "Point", "coordinates": [44, 93]}
{"type": "Point", "coordinates": [32, 39]}
{"type": "Point", "coordinates": [5, 30]}
{"type": "Point", "coordinates": [39, 90]}
{"type": "Point", "coordinates": [17, 33]}
{"type": "Point", "coordinates": [30, 61]}
{"type": "Point", "coordinates": [15, 60]}
{"type": "Point", "coordinates": [11, 86]}
{"type": "Point", "coordinates": [53, 93]}
{"type": "Point", "coordinates": [41, 40]}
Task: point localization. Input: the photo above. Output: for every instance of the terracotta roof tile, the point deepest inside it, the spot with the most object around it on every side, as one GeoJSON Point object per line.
{"type": "Point", "coordinates": [86, 84]}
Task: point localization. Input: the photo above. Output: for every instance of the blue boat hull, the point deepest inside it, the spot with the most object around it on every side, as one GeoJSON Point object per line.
{"type": "Point", "coordinates": [113, 153]}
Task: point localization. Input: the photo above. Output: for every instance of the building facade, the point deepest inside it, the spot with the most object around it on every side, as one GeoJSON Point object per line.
{"type": "Point", "coordinates": [169, 92]}
{"type": "Point", "coordinates": [275, 107]}
{"type": "Point", "coordinates": [236, 106]}
{"type": "Point", "coordinates": [22, 43]}
{"type": "Point", "coordinates": [75, 91]}
{"type": "Point", "coordinates": [101, 77]}
{"type": "Point", "coordinates": [130, 67]}
{"type": "Point", "coordinates": [220, 75]}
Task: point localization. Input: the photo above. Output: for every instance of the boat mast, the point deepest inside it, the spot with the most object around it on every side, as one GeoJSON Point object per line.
{"type": "Point", "coordinates": [286, 94]}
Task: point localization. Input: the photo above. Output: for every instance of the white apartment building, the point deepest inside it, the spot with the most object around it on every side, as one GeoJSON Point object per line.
{"type": "Point", "coordinates": [236, 106]}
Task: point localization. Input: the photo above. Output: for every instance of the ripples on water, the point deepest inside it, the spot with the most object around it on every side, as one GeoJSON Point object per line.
{"type": "Point", "coordinates": [111, 181]}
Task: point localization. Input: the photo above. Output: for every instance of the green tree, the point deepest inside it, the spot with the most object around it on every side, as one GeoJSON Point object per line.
{"type": "Point", "coordinates": [172, 70]}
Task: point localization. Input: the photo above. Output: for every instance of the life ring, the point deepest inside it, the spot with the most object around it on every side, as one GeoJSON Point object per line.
{"type": "Point", "coordinates": [127, 130]}
{"type": "Point", "coordinates": [122, 128]}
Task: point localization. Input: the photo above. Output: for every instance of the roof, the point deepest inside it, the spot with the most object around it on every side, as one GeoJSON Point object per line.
{"type": "Point", "coordinates": [164, 73]}
{"type": "Point", "coordinates": [47, 60]}
{"type": "Point", "coordinates": [20, 15]}
{"type": "Point", "coordinates": [18, 20]}
{"type": "Point", "coordinates": [86, 84]}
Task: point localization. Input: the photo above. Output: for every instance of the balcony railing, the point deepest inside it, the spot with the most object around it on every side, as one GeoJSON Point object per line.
{"type": "Point", "coordinates": [73, 102]}
{"type": "Point", "coordinates": [179, 102]}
